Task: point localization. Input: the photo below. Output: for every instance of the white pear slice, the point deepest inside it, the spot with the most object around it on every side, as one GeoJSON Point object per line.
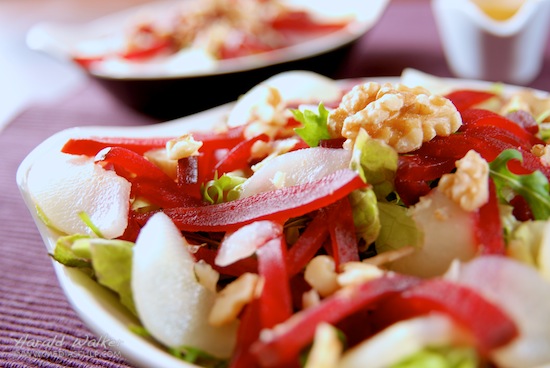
{"type": "Point", "coordinates": [448, 235]}
{"type": "Point", "coordinates": [415, 78]}
{"type": "Point", "coordinates": [295, 168]}
{"type": "Point", "coordinates": [401, 340]}
{"type": "Point", "coordinates": [63, 186]}
{"type": "Point", "coordinates": [170, 302]}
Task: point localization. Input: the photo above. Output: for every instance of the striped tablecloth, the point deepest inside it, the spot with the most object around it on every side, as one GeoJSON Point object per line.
{"type": "Point", "coordinates": [38, 327]}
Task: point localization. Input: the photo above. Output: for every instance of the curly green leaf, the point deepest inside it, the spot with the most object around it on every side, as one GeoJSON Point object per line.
{"type": "Point", "coordinates": [314, 127]}
{"type": "Point", "coordinates": [534, 187]}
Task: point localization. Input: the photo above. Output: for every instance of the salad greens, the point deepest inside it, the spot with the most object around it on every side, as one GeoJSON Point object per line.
{"type": "Point", "coordinates": [398, 228]}
{"type": "Point", "coordinates": [526, 241]}
{"type": "Point", "coordinates": [314, 127]}
{"type": "Point", "coordinates": [533, 188]}
{"type": "Point", "coordinates": [109, 262]}
{"type": "Point", "coordinates": [196, 356]}
{"type": "Point", "coordinates": [299, 255]}
{"type": "Point", "coordinates": [441, 358]}
{"type": "Point", "coordinates": [376, 162]}
{"type": "Point", "coordinates": [366, 216]}
{"type": "Point", "coordinates": [222, 189]}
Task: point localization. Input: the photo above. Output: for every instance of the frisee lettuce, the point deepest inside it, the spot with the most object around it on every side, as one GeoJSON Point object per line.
{"type": "Point", "coordinates": [544, 127]}
{"type": "Point", "coordinates": [222, 189]}
{"type": "Point", "coordinates": [196, 356]}
{"type": "Point", "coordinates": [534, 187]}
{"type": "Point", "coordinates": [525, 242]}
{"type": "Point", "coordinates": [314, 127]}
{"type": "Point", "coordinates": [440, 357]}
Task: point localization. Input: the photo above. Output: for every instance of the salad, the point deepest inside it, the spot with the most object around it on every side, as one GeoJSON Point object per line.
{"type": "Point", "coordinates": [207, 31]}
{"type": "Point", "coordinates": [322, 224]}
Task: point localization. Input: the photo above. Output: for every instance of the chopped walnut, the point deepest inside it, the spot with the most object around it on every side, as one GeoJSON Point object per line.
{"type": "Point", "coordinates": [206, 275]}
{"type": "Point", "coordinates": [469, 185]}
{"type": "Point", "coordinates": [215, 22]}
{"type": "Point", "coordinates": [231, 300]}
{"type": "Point", "coordinates": [542, 152]}
{"type": "Point", "coordinates": [354, 273]}
{"type": "Point", "coordinates": [268, 115]}
{"type": "Point", "coordinates": [401, 116]}
{"type": "Point", "coordinates": [310, 298]}
{"type": "Point", "coordinates": [527, 100]}
{"type": "Point", "coordinates": [160, 158]}
{"type": "Point", "coordinates": [182, 147]}
{"type": "Point", "coordinates": [321, 274]}
{"type": "Point", "coordinates": [381, 259]}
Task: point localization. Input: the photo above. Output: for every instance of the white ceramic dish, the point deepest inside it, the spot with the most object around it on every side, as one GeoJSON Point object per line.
{"type": "Point", "coordinates": [98, 308]}
{"type": "Point", "coordinates": [169, 90]}
{"type": "Point", "coordinates": [481, 47]}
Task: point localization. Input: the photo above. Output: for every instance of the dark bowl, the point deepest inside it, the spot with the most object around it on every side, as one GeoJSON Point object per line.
{"type": "Point", "coordinates": [171, 98]}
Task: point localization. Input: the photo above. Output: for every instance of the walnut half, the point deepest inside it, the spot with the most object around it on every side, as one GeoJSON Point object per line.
{"type": "Point", "coordinates": [401, 116]}
{"type": "Point", "coordinates": [469, 185]}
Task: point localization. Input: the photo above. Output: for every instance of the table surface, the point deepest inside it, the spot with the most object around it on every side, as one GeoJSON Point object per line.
{"type": "Point", "coordinates": [40, 96]}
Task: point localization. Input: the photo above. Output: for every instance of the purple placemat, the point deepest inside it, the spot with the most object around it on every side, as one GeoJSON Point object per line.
{"type": "Point", "coordinates": [38, 327]}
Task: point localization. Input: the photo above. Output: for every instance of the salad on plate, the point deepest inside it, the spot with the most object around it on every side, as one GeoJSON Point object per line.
{"type": "Point", "coordinates": [322, 223]}
{"type": "Point", "coordinates": [200, 33]}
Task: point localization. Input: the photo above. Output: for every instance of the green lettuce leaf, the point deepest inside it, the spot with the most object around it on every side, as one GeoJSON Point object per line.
{"type": "Point", "coordinates": [525, 242]}
{"type": "Point", "coordinates": [441, 358]}
{"type": "Point", "coordinates": [365, 214]}
{"type": "Point", "coordinates": [139, 330]}
{"type": "Point", "coordinates": [112, 263]}
{"type": "Point", "coordinates": [199, 357]}
{"type": "Point", "coordinates": [314, 124]}
{"type": "Point", "coordinates": [376, 163]}
{"type": "Point", "coordinates": [398, 228]}
{"type": "Point", "coordinates": [65, 254]}
{"type": "Point", "coordinates": [109, 262]}
{"type": "Point", "coordinates": [533, 188]}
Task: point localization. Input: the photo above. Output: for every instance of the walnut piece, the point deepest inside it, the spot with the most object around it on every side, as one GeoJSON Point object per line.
{"type": "Point", "coordinates": [469, 185]}
{"type": "Point", "coordinates": [182, 147]}
{"type": "Point", "coordinates": [401, 116]}
{"type": "Point", "coordinates": [355, 273]}
{"type": "Point", "coordinates": [529, 101]}
{"type": "Point", "coordinates": [232, 299]}
{"type": "Point", "coordinates": [542, 152]}
{"type": "Point", "coordinates": [321, 275]}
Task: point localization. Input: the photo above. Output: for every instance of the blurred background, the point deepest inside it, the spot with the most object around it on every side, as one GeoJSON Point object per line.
{"type": "Point", "coordinates": [405, 36]}
{"type": "Point", "coordinates": [27, 76]}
